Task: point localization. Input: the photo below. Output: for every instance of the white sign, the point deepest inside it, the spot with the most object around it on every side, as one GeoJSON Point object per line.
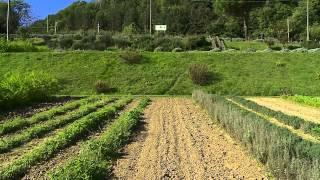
{"type": "Point", "coordinates": [161, 27]}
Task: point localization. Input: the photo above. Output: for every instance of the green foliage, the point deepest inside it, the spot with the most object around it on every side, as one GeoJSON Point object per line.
{"type": "Point", "coordinates": [286, 154]}
{"type": "Point", "coordinates": [94, 160]}
{"type": "Point", "coordinates": [243, 74]}
{"type": "Point", "coordinates": [63, 138]}
{"type": "Point", "coordinates": [307, 100]}
{"type": "Point", "coordinates": [131, 57]}
{"type": "Point", "coordinates": [244, 45]}
{"type": "Point", "coordinates": [20, 46]}
{"type": "Point", "coordinates": [199, 74]}
{"type": "Point", "coordinates": [17, 89]}
{"type": "Point", "coordinates": [12, 125]}
{"type": "Point", "coordinates": [38, 130]}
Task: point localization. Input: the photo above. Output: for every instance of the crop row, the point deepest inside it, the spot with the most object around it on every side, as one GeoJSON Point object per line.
{"type": "Point", "coordinates": [16, 124]}
{"type": "Point", "coordinates": [37, 130]}
{"type": "Point", "coordinates": [307, 100]}
{"type": "Point", "coordinates": [94, 160]}
{"type": "Point", "coordinates": [294, 121]}
{"type": "Point", "coordinates": [287, 155]}
{"type": "Point", "coordinates": [67, 136]}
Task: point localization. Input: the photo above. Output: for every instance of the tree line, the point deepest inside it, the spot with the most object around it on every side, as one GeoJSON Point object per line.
{"type": "Point", "coordinates": [232, 18]}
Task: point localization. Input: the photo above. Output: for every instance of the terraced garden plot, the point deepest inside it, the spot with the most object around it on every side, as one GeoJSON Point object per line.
{"type": "Point", "coordinates": [289, 107]}
{"type": "Point", "coordinates": [180, 141]}
{"type": "Point", "coordinates": [97, 115]}
{"type": "Point", "coordinates": [287, 145]}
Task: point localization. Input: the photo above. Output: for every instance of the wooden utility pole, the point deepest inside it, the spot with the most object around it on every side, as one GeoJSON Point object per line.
{"type": "Point", "coordinates": [55, 27]}
{"type": "Point", "coordinates": [150, 23]}
{"type": "Point", "coordinates": [8, 18]}
{"type": "Point", "coordinates": [288, 25]}
{"type": "Point", "coordinates": [48, 25]}
{"type": "Point", "coordinates": [245, 27]}
{"type": "Point", "coordinates": [308, 35]}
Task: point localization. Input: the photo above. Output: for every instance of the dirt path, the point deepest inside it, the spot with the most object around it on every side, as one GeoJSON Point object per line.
{"type": "Point", "coordinates": [39, 171]}
{"type": "Point", "coordinates": [180, 141]}
{"type": "Point", "coordinates": [290, 108]}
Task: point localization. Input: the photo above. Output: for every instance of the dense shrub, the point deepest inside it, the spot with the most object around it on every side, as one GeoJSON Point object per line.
{"type": "Point", "coordinates": [199, 74]}
{"type": "Point", "coordinates": [65, 42]}
{"type": "Point", "coordinates": [102, 87]}
{"type": "Point", "coordinates": [168, 43]}
{"type": "Point", "coordinates": [121, 42]}
{"type": "Point", "coordinates": [38, 41]}
{"type": "Point", "coordinates": [197, 43]}
{"type": "Point", "coordinates": [20, 89]}
{"type": "Point", "coordinates": [293, 46]}
{"type": "Point", "coordinates": [311, 44]}
{"type": "Point", "coordinates": [131, 57]}
{"type": "Point", "coordinates": [143, 42]}
{"type": "Point", "coordinates": [19, 46]}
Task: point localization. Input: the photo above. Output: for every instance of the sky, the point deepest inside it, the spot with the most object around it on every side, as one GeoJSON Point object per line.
{"type": "Point", "coordinates": [41, 8]}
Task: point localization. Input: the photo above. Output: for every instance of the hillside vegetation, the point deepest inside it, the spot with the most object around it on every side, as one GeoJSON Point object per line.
{"type": "Point", "coordinates": [167, 73]}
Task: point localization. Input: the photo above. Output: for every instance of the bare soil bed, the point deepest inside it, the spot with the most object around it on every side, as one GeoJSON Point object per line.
{"type": "Point", "coordinates": [180, 141]}
{"type": "Point", "coordinates": [288, 107]}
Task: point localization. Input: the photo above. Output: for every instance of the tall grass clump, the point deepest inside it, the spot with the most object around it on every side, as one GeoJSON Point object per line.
{"type": "Point", "coordinates": [199, 74]}
{"type": "Point", "coordinates": [131, 57]}
{"type": "Point", "coordinates": [18, 89]}
{"type": "Point", "coordinates": [287, 155]}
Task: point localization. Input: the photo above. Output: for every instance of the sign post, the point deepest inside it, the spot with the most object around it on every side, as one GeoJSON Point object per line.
{"type": "Point", "coordinates": [161, 28]}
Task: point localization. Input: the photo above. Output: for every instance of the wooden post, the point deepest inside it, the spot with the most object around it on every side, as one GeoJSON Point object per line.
{"type": "Point", "coordinates": [55, 27]}
{"type": "Point", "coordinates": [245, 29]}
{"type": "Point", "coordinates": [150, 23]}
{"type": "Point", "coordinates": [308, 35]}
{"type": "Point", "coordinates": [8, 18]}
{"type": "Point", "coordinates": [288, 25]}
{"type": "Point", "coordinates": [48, 25]}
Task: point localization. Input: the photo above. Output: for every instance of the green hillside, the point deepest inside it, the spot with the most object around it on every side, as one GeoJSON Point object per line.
{"type": "Point", "coordinates": [167, 73]}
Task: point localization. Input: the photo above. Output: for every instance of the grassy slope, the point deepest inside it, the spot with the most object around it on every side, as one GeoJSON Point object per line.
{"type": "Point", "coordinates": [167, 73]}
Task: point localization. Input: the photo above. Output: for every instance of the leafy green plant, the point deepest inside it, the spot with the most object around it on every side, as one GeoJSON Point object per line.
{"type": "Point", "coordinates": [17, 88]}
{"type": "Point", "coordinates": [38, 130]}
{"type": "Point", "coordinates": [67, 136]}
{"type": "Point", "coordinates": [15, 124]}
{"type": "Point", "coordinates": [307, 100]}
{"type": "Point", "coordinates": [94, 160]}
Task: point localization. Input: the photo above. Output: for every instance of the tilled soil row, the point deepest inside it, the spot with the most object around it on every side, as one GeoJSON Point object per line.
{"type": "Point", "coordinates": [181, 142]}
{"type": "Point", "coordinates": [40, 171]}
